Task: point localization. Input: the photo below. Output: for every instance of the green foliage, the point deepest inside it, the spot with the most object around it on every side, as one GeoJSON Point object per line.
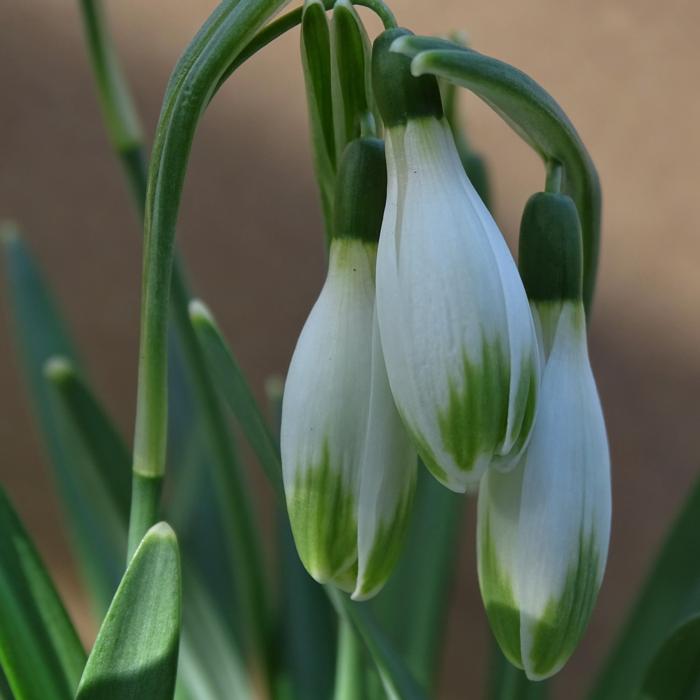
{"type": "Point", "coordinates": [669, 595]}
{"type": "Point", "coordinates": [40, 652]}
{"type": "Point", "coordinates": [135, 654]}
{"type": "Point", "coordinates": [674, 674]}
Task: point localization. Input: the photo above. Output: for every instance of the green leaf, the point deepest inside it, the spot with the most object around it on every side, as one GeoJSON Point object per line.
{"type": "Point", "coordinates": [40, 334]}
{"type": "Point", "coordinates": [422, 580]}
{"type": "Point", "coordinates": [40, 652]}
{"type": "Point", "coordinates": [135, 654]}
{"type": "Point", "coordinates": [237, 393]}
{"type": "Point", "coordinates": [203, 671]}
{"type": "Point", "coordinates": [397, 681]}
{"type": "Point", "coordinates": [674, 674]}
{"type": "Point", "coordinates": [509, 683]}
{"type": "Point", "coordinates": [351, 75]}
{"type": "Point", "coordinates": [533, 114]}
{"type": "Point", "coordinates": [669, 595]}
{"type": "Point", "coordinates": [106, 448]}
{"type": "Point", "coordinates": [316, 61]}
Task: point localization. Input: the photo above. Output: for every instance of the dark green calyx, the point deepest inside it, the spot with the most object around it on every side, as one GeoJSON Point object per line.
{"type": "Point", "coordinates": [550, 258]}
{"type": "Point", "coordinates": [360, 191]}
{"type": "Point", "coordinates": [399, 95]}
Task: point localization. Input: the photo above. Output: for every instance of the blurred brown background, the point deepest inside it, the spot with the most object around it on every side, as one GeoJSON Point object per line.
{"type": "Point", "coordinates": [626, 71]}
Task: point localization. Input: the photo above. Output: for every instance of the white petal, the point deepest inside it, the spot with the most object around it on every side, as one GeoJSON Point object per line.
{"type": "Point", "coordinates": [565, 508]}
{"type": "Point", "coordinates": [447, 332]}
{"type": "Point", "coordinates": [324, 413]}
{"type": "Point", "coordinates": [387, 483]}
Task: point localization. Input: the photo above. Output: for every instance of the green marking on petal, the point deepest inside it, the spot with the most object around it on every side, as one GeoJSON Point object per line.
{"type": "Point", "coordinates": [427, 456]}
{"type": "Point", "coordinates": [475, 419]}
{"type": "Point", "coordinates": [322, 510]}
{"type": "Point", "coordinates": [387, 546]}
{"type": "Point", "coordinates": [346, 580]}
{"type": "Point", "coordinates": [558, 630]}
{"type": "Point", "coordinates": [498, 597]}
{"type": "Point", "coordinates": [526, 399]}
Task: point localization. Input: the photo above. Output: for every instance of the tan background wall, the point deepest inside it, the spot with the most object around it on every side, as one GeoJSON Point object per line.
{"type": "Point", "coordinates": [626, 71]}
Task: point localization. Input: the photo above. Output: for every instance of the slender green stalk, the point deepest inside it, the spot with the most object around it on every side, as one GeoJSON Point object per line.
{"type": "Point", "coordinates": [349, 667]}
{"type": "Point", "coordinates": [126, 141]}
{"type": "Point", "coordinates": [145, 499]}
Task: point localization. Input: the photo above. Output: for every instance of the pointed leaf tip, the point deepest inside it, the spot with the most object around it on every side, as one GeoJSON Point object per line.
{"type": "Point", "coordinates": [58, 368]}
{"type": "Point", "coordinates": [200, 313]}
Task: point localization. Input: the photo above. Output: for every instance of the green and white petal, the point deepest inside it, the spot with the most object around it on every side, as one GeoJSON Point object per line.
{"type": "Point", "coordinates": [498, 517]}
{"type": "Point", "coordinates": [448, 332]}
{"type": "Point", "coordinates": [387, 484]}
{"type": "Point", "coordinates": [565, 506]}
{"type": "Point", "coordinates": [525, 361]}
{"type": "Point", "coordinates": [324, 413]}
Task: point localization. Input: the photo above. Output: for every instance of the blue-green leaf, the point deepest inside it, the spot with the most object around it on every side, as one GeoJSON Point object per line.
{"type": "Point", "coordinates": [397, 680]}
{"type": "Point", "coordinates": [674, 674]}
{"type": "Point", "coordinates": [669, 595]}
{"type": "Point", "coordinates": [237, 393]}
{"type": "Point", "coordinates": [423, 578]}
{"type": "Point", "coordinates": [105, 447]}
{"type": "Point", "coordinates": [40, 334]}
{"type": "Point", "coordinates": [533, 113]}
{"type": "Point", "coordinates": [135, 654]}
{"type": "Point", "coordinates": [40, 652]}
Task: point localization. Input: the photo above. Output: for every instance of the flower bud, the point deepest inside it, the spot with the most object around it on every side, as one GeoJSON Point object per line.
{"type": "Point", "coordinates": [456, 330]}
{"type": "Point", "coordinates": [543, 528]}
{"type": "Point", "coordinates": [348, 465]}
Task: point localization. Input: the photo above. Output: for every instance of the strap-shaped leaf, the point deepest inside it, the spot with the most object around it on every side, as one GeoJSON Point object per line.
{"type": "Point", "coordinates": [135, 654]}
{"type": "Point", "coordinates": [674, 674]}
{"type": "Point", "coordinates": [316, 61]}
{"type": "Point", "coordinates": [422, 581]}
{"type": "Point", "coordinates": [397, 681]}
{"type": "Point", "coordinates": [509, 683]}
{"type": "Point", "coordinates": [106, 448]}
{"type": "Point", "coordinates": [40, 652]}
{"type": "Point", "coordinates": [203, 671]}
{"type": "Point", "coordinates": [237, 393]}
{"type": "Point", "coordinates": [669, 595]}
{"type": "Point", "coordinates": [351, 70]}
{"type": "Point", "coordinates": [40, 333]}
{"type": "Point", "coordinates": [533, 114]}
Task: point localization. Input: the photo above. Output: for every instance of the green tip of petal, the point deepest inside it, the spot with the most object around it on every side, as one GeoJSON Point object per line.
{"type": "Point", "coordinates": [9, 233]}
{"type": "Point", "coordinates": [551, 255]}
{"type": "Point", "coordinates": [400, 96]}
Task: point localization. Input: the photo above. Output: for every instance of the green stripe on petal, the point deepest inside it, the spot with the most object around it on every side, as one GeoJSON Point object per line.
{"type": "Point", "coordinates": [475, 419]}
{"type": "Point", "coordinates": [497, 587]}
{"type": "Point", "coordinates": [558, 630]}
{"type": "Point", "coordinates": [387, 546]}
{"type": "Point", "coordinates": [322, 510]}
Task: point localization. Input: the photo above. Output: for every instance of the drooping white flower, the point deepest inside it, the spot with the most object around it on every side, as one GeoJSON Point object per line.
{"type": "Point", "coordinates": [458, 337]}
{"type": "Point", "coordinates": [348, 464]}
{"type": "Point", "coordinates": [543, 528]}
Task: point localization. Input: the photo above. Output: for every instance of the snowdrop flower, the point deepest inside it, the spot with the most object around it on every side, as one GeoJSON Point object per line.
{"type": "Point", "coordinates": [543, 528]}
{"type": "Point", "coordinates": [457, 334]}
{"type": "Point", "coordinates": [349, 467]}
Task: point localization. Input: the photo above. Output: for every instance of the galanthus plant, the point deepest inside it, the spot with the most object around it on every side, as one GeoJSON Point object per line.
{"type": "Point", "coordinates": [432, 365]}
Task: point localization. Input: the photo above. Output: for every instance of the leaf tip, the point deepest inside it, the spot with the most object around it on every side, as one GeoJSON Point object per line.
{"type": "Point", "coordinates": [9, 233]}
{"type": "Point", "coordinates": [58, 369]}
{"type": "Point", "coordinates": [200, 313]}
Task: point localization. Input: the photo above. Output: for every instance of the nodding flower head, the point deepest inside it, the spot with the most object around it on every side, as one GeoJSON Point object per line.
{"type": "Point", "coordinates": [543, 528]}
{"type": "Point", "coordinates": [457, 333]}
{"type": "Point", "coordinates": [349, 466]}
